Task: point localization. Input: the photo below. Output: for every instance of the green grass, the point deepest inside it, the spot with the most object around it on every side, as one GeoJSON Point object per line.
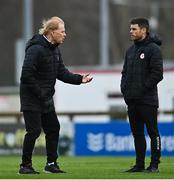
{"type": "Point", "coordinates": [86, 168]}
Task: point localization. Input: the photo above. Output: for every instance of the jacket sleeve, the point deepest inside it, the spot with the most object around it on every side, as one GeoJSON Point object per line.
{"type": "Point", "coordinates": [123, 77]}
{"type": "Point", "coordinates": [156, 68]}
{"type": "Point", "coordinates": [66, 76]}
{"type": "Point", "coordinates": [29, 70]}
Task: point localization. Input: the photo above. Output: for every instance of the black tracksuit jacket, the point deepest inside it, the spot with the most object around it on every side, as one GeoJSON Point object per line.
{"type": "Point", "coordinates": [42, 65]}
{"type": "Point", "coordinates": [142, 71]}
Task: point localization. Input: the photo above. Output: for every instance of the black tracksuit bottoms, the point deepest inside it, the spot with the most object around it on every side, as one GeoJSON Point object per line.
{"type": "Point", "coordinates": [140, 115]}
{"type": "Point", "coordinates": [34, 121]}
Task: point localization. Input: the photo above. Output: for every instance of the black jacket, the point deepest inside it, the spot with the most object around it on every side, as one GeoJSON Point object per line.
{"type": "Point", "coordinates": [42, 66]}
{"type": "Point", "coordinates": [142, 71]}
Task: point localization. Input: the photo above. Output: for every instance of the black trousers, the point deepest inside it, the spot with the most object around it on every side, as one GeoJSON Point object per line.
{"type": "Point", "coordinates": [140, 115]}
{"type": "Point", "coordinates": [34, 121]}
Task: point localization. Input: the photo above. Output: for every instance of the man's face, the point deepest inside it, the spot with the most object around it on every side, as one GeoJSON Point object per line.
{"type": "Point", "coordinates": [59, 34]}
{"type": "Point", "coordinates": [137, 33]}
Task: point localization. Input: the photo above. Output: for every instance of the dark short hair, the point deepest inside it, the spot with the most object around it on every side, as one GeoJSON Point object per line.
{"type": "Point", "coordinates": [142, 23]}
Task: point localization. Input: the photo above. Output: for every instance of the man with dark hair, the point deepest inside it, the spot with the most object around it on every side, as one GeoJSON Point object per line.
{"type": "Point", "coordinates": [142, 22]}
{"type": "Point", "coordinates": [43, 64]}
{"type": "Point", "coordinates": [142, 71]}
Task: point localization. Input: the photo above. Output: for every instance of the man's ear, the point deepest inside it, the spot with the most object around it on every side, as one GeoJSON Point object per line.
{"type": "Point", "coordinates": [144, 30]}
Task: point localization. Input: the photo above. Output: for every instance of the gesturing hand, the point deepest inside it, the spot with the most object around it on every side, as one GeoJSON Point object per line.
{"type": "Point", "coordinates": [87, 78]}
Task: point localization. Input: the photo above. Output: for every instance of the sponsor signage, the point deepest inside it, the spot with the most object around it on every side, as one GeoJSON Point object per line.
{"type": "Point", "coordinates": [12, 135]}
{"type": "Point", "coordinates": [116, 139]}
{"type": "Point", "coordinates": [11, 139]}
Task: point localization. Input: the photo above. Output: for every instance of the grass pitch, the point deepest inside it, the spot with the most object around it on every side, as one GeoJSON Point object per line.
{"type": "Point", "coordinates": [86, 168]}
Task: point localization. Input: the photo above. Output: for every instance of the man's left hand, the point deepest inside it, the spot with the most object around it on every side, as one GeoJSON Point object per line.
{"type": "Point", "coordinates": [87, 78]}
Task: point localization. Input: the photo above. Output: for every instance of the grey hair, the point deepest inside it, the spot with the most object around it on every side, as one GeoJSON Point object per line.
{"type": "Point", "coordinates": [50, 24]}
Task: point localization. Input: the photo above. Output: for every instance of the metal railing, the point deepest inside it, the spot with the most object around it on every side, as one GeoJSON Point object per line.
{"type": "Point", "coordinates": [71, 115]}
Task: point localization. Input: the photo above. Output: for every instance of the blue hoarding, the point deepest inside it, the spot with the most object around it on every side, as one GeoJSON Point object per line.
{"type": "Point", "coordinates": [115, 138]}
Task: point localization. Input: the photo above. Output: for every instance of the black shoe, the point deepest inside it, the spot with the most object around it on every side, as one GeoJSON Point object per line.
{"type": "Point", "coordinates": [135, 169]}
{"type": "Point", "coordinates": [152, 169]}
{"type": "Point", "coordinates": [27, 169]}
{"type": "Point", "coordinates": [52, 168]}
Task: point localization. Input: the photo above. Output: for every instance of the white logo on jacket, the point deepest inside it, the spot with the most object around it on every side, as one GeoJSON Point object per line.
{"type": "Point", "coordinates": [142, 56]}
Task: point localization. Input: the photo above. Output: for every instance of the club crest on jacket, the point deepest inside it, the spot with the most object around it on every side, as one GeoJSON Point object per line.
{"type": "Point", "coordinates": [142, 56]}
